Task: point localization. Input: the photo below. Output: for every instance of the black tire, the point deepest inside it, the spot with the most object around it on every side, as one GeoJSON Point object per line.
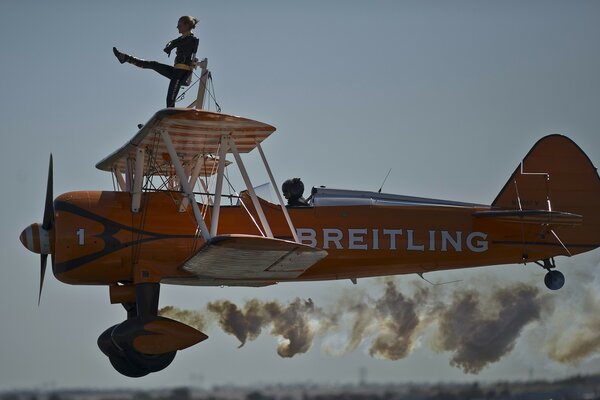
{"type": "Point", "coordinates": [118, 358]}
{"type": "Point", "coordinates": [152, 363]}
{"type": "Point", "coordinates": [105, 342]}
{"type": "Point", "coordinates": [554, 280]}
{"type": "Point", "coordinates": [127, 368]}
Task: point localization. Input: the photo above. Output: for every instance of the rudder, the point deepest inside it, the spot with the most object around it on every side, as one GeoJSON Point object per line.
{"type": "Point", "coordinates": [556, 175]}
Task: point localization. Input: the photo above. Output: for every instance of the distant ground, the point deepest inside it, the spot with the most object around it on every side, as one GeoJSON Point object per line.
{"type": "Point", "coordinates": [577, 387]}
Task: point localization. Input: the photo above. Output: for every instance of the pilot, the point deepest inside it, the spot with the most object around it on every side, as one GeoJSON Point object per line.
{"type": "Point", "coordinates": [293, 189]}
{"type": "Point", "coordinates": [181, 72]}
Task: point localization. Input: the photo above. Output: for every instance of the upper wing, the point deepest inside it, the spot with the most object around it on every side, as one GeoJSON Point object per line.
{"type": "Point", "coordinates": [193, 133]}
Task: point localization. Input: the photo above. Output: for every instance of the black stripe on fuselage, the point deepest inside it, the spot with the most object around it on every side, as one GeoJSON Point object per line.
{"type": "Point", "coordinates": [111, 228]}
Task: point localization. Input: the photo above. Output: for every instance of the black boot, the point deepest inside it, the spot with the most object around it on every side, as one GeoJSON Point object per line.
{"type": "Point", "coordinates": [122, 57]}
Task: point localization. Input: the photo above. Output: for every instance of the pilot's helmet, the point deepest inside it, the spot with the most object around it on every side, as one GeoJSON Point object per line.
{"type": "Point", "coordinates": [293, 188]}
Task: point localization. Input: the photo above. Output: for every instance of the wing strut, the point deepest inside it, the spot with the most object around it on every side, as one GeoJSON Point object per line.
{"type": "Point", "coordinates": [120, 181]}
{"type": "Point", "coordinates": [138, 179]}
{"type": "Point", "coordinates": [128, 175]}
{"type": "Point", "coordinates": [185, 184]}
{"type": "Point", "coordinates": [259, 210]}
{"type": "Point", "coordinates": [283, 207]}
{"type": "Point", "coordinates": [223, 147]}
{"type": "Point", "coordinates": [193, 178]}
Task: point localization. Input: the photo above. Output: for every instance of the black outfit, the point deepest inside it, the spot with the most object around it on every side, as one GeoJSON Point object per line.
{"type": "Point", "coordinates": [293, 189]}
{"type": "Point", "coordinates": [186, 49]}
{"type": "Point", "coordinates": [297, 202]}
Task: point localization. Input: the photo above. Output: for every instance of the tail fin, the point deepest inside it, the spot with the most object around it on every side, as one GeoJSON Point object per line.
{"type": "Point", "coordinates": [556, 175]}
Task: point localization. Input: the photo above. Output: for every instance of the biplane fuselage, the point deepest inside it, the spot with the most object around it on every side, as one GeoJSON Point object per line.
{"type": "Point", "coordinates": [154, 230]}
{"type": "Point", "coordinates": [100, 241]}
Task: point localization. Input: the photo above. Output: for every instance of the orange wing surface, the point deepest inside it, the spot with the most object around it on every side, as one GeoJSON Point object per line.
{"type": "Point", "coordinates": [252, 258]}
{"type": "Point", "coordinates": [192, 132]}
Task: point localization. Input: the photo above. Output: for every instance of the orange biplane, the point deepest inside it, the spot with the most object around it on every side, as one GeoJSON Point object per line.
{"type": "Point", "coordinates": [155, 227]}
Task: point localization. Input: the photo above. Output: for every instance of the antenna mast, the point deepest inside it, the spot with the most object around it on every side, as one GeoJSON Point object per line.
{"type": "Point", "coordinates": [385, 179]}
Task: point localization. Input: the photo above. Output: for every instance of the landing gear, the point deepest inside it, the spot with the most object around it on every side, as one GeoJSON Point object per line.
{"type": "Point", "coordinates": [129, 362]}
{"type": "Point", "coordinates": [117, 341]}
{"type": "Point", "coordinates": [145, 342]}
{"type": "Point", "coordinates": [554, 279]}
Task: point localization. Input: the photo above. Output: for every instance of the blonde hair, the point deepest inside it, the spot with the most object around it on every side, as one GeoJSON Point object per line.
{"type": "Point", "coordinates": [192, 21]}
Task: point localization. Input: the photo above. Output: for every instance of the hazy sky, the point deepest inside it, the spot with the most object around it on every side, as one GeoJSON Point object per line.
{"type": "Point", "coordinates": [449, 94]}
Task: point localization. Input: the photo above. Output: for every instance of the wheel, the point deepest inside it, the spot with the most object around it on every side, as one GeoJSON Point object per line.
{"type": "Point", "coordinates": [127, 368]}
{"type": "Point", "coordinates": [118, 358]}
{"type": "Point", "coordinates": [129, 362]}
{"type": "Point", "coordinates": [151, 363]}
{"type": "Point", "coordinates": [554, 280]}
{"type": "Point", "coordinates": [106, 344]}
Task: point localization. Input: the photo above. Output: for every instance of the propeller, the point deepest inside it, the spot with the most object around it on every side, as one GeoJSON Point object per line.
{"type": "Point", "coordinates": [44, 259]}
{"type": "Point", "coordinates": [48, 221]}
{"type": "Point", "coordinates": [47, 224]}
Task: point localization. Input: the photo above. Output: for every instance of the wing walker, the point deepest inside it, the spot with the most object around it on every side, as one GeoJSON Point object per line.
{"type": "Point", "coordinates": [169, 220]}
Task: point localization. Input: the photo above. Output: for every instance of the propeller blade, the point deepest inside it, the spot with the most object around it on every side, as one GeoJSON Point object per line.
{"type": "Point", "coordinates": [44, 260]}
{"type": "Point", "coordinates": [48, 221]}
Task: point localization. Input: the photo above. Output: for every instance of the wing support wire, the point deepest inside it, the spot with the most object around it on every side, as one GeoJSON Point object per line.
{"type": "Point", "coordinates": [206, 190]}
{"type": "Point", "coordinates": [561, 242]}
{"type": "Point", "coordinates": [544, 174]}
{"type": "Point", "coordinates": [547, 176]}
{"type": "Point", "coordinates": [193, 177]}
{"type": "Point", "coordinates": [548, 203]}
{"type": "Point", "coordinates": [185, 185]}
{"type": "Point", "coordinates": [421, 275]}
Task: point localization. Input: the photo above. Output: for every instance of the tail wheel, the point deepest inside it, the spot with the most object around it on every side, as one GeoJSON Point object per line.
{"type": "Point", "coordinates": [554, 280]}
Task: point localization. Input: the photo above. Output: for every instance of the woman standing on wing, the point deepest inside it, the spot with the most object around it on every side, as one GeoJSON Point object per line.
{"type": "Point", "coordinates": [186, 45]}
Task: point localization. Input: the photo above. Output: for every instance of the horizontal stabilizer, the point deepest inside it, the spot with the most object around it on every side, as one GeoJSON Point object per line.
{"type": "Point", "coordinates": [532, 217]}
{"type": "Point", "coordinates": [248, 257]}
